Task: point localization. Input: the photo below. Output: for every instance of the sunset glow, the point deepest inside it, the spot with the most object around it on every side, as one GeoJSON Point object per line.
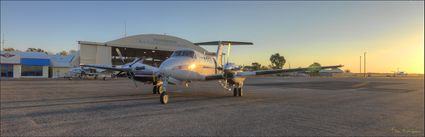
{"type": "Point", "coordinates": [391, 32]}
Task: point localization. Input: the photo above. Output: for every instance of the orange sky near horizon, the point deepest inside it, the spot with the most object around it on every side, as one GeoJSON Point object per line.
{"type": "Point", "coordinates": [401, 48]}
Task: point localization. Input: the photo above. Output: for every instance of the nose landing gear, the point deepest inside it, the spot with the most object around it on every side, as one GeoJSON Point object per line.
{"type": "Point", "coordinates": [164, 98]}
{"type": "Point", "coordinates": [163, 91]}
{"type": "Point", "coordinates": [157, 88]}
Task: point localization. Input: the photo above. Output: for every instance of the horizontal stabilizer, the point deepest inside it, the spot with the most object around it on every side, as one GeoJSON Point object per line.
{"type": "Point", "coordinates": [224, 43]}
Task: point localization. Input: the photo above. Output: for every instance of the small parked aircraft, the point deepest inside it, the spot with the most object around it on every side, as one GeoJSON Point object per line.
{"type": "Point", "coordinates": [86, 72]}
{"type": "Point", "coordinates": [187, 65]}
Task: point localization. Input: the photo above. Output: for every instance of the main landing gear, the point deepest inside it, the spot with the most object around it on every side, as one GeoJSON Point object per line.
{"type": "Point", "coordinates": [238, 92]}
{"type": "Point", "coordinates": [157, 87]}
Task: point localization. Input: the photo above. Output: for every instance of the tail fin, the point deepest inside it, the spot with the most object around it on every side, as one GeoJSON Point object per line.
{"type": "Point", "coordinates": [219, 54]}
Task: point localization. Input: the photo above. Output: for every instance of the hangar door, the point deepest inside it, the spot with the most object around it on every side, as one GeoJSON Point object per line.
{"type": "Point", "coordinates": [93, 54]}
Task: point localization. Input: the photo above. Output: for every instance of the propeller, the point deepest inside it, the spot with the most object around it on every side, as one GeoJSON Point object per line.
{"type": "Point", "coordinates": [130, 74]}
{"type": "Point", "coordinates": [229, 68]}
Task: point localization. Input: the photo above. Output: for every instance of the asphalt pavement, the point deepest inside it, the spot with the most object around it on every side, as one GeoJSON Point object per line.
{"type": "Point", "coordinates": [271, 106]}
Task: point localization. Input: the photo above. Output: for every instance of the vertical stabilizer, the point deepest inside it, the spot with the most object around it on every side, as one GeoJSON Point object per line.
{"type": "Point", "coordinates": [221, 44]}
{"type": "Point", "coordinates": [219, 54]}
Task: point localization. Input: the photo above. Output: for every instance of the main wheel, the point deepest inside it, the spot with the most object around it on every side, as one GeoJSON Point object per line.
{"type": "Point", "coordinates": [235, 92]}
{"type": "Point", "coordinates": [154, 91]}
{"type": "Point", "coordinates": [240, 91]}
{"type": "Point", "coordinates": [164, 98]}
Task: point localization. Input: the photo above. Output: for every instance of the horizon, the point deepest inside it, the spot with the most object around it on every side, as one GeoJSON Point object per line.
{"type": "Point", "coordinates": [330, 33]}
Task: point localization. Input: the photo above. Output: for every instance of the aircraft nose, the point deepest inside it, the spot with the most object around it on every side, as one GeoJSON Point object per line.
{"type": "Point", "coordinates": [171, 64]}
{"type": "Point", "coordinates": [167, 64]}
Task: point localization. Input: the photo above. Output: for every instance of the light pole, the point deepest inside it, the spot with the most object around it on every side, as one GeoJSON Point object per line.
{"type": "Point", "coordinates": [364, 57]}
{"type": "Point", "coordinates": [360, 70]}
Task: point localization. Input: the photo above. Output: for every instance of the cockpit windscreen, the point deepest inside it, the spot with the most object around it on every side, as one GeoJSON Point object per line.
{"type": "Point", "coordinates": [183, 53]}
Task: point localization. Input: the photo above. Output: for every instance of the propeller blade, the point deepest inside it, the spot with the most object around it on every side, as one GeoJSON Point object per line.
{"type": "Point", "coordinates": [119, 73]}
{"type": "Point", "coordinates": [132, 78]}
{"type": "Point", "coordinates": [143, 59]}
{"type": "Point", "coordinates": [119, 54]}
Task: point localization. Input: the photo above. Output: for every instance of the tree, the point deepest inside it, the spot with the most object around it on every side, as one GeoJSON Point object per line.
{"type": "Point", "coordinates": [72, 51]}
{"type": "Point", "coordinates": [9, 49]}
{"type": "Point", "coordinates": [277, 61]}
{"type": "Point", "coordinates": [256, 66]}
{"type": "Point", "coordinates": [36, 50]}
{"type": "Point", "coordinates": [63, 53]}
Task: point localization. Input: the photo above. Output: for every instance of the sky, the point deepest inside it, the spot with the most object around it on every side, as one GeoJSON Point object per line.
{"type": "Point", "coordinates": [328, 32]}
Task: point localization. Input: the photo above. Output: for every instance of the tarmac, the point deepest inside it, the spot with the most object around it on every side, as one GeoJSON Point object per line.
{"type": "Point", "coordinates": [271, 106]}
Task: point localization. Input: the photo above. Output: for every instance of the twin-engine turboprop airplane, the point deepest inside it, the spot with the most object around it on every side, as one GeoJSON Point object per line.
{"type": "Point", "coordinates": [186, 65]}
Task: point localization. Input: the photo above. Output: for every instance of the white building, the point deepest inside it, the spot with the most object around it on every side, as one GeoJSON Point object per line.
{"type": "Point", "coordinates": [24, 64]}
{"type": "Point", "coordinates": [60, 65]}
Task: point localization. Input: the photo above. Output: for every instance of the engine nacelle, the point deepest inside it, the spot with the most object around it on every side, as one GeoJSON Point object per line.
{"type": "Point", "coordinates": [231, 67]}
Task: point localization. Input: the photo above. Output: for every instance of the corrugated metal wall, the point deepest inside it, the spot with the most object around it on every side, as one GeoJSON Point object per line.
{"type": "Point", "coordinates": [92, 54]}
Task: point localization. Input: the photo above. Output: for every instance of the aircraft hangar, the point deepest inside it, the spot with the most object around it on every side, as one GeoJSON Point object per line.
{"type": "Point", "coordinates": [154, 48]}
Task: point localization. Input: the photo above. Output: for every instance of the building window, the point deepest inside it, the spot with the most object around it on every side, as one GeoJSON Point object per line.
{"type": "Point", "coordinates": [28, 70]}
{"type": "Point", "coordinates": [6, 70]}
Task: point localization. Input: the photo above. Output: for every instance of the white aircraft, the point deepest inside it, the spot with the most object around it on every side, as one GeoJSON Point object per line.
{"type": "Point", "coordinates": [97, 70]}
{"type": "Point", "coordinates": [186, 65]}
{"type": "Point", "coordinates": [85, 72]}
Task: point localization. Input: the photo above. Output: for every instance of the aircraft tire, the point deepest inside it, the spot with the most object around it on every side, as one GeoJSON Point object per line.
{"type": "Point", "coordinates": [240, 92]}
{"type": "Point", "coordinates": [235, 92]}
{"type": "Point", "coordinates": [164, 98]}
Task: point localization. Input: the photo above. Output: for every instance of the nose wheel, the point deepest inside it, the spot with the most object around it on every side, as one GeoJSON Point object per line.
{"type": "Point", "coordinates": [164, 98]}
{"type": "Point", "coordinates": [162, 90]}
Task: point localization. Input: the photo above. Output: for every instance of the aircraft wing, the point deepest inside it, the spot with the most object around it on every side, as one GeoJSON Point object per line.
{"type": "Point", "coordinates": [276, 71]}
{"type": "Point", "coordinates": [107, 67]}
{"type": "Point", "coordinates": [263, 72]}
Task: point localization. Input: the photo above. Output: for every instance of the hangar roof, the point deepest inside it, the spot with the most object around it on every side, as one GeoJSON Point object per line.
{"type": "Point", "coordinates": [150, 41]}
